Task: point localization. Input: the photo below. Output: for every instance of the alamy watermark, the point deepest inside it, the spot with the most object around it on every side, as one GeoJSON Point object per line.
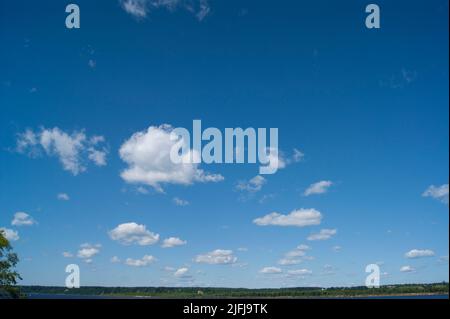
{"type": "Point", "coordinates": [373, 279]}
{"type": "Point", "coordinates": [236, 145]}
{"type": "Point", "coordinates": [73, 279]}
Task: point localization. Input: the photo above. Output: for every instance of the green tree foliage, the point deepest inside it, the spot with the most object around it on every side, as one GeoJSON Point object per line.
{"type": "Point", "coordinates": [8, 275]}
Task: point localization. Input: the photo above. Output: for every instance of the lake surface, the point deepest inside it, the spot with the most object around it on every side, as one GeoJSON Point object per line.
{"type": "Point", "coordinates": [61, 296]}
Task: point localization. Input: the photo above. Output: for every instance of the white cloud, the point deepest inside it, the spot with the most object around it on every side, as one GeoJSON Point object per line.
{"type": "Point", "coordinates": [180, 202]}
{"type": "Point", "coordinates": [144, 261]}
{"type": "Point", "coordinates": [137, 8]}
{"type": "Point", "coordinates": [437, 192]}
{"type": "Point", "coordinates": [73, 150]}
{"type": "Point", "coordinates": [407, 269]}
{"type": "Point", "coordinates": [337, 249]}
{"type": "Point", "coordinates": [299, 272]}
{"type": "Point", "coordinates": [271, 270]}
{"type": "Point", "coordinates": [141, 190]}
{"type": "Point", "coordinates": [204, 10]}
{"type": "Point", "coordinates": [217, 257]}
{"type": "Point", "coordinates": [87, 251]}
{"type": "Point", "coordinates": [173, 242]}
{"type": "Point", "coordinates": [276, 159]}
{"type": "Point", "coordinates": [299, 218]}
{"type": "Point", "coordinates": [181, 272]}
{"type": "Point", "coordinates": [317, 188]}
{"type": "Point", "coordinates": [97, 156]}
{"type": "Point", "coordinates": [289, 261]}
{"type": "Point", "coordinates": [67, 254]}
{"type": "Point", "coordinates": [295, 256]}
{"type": "Point", "coordinates": [328, 270]}
{"type": "Point", "coordinates": [296, 253]}
{"type": "Point", "coordinates": [147, 154]}
{"type": "Point", "coordinates": [443, 259]}
{"type": "Point", "coordinates": [115, 260]}
{"type": "Point", "coordinates": [418, 253]}
{"type": "Point", "coordinates": [22, 219]}
{"type": "Point", "coordinates": [132, 233]}
{"type": "Point", "coordinates": [141, 8]}
{"type": "Point", "coordinates": [297, 156]}
{"type": "Point", "coordinates": [63, 196]}
{"type": "Point", "coordinates": [92, 64]}
{"type": "Point", "coordinates": [253, 185]}
{"type": "Point", "coordinates": [10, 235]}
{"type": "Point", "coordinates": [324, 234]}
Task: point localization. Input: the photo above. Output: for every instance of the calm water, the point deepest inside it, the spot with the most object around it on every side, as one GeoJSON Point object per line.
{"type": "Point", "coordinates": [60, 296]}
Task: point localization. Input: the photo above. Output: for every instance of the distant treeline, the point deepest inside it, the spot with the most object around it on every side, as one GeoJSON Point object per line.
{"type": "Point", "coordinates": [199, 292]}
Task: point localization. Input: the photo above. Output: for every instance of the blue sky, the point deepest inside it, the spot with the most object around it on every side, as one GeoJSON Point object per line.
{"type": "Point", "coordinates": [368, 110]}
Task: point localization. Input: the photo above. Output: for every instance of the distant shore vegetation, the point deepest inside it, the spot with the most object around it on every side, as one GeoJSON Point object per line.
{"type": "Point", "coordinates": [200, 292]}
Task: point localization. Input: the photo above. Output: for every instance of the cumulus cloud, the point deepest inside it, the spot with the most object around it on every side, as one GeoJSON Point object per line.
{"type": "Point", "coordinates": [143, 262]}
{"type": "Point", "coordinates": [180, 202]}
{"type": "Point", "coordinates": [87, 251]}
{"type": "Point", "coordinates": [10, 234]}
{"type": "Point", "coordinates": [299, 218]}
{"type": "Point", "coordinates": [407, 269]}
{"type": "Point", "coordinates": [317, 188]}
{"type": "Point", "coordinates": [295, 256]}
{"type": "Point", "coordinates": [437, 192]}
{"type": "Point", "coordinates": [63, 196]}
{"type": "Point", "coordinates": [271, 270]}
{"type": "Point", "coordinates": [73, 150]}
{"type": "Point", "coordinates": [217, 257]}
{"type": "Point", "coordinates": [418, 253]}
{"type": "Point", "coordinates": [324, 234]}
{"type": "Point", "coordinates": [253, 185]}
{"type": "Point", "coordinates": [173, 242]}
{"type": "Point", "coordinates": [181, 272]}
{"type": "Point", "coordinates": [141, 8]}
{"type": "Point", "coordinates": [147, 154]}
{"type": "Point", "coordinates": [132, 233]}
{"type": "Point", "coordinates": [22, 219]}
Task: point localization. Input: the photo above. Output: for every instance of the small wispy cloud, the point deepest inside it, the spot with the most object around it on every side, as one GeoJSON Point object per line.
{"type": "Point", "coordinates": [437, 192]}
{"type": "Point", "coordinates": [88, 251]}
{"type": "Point", "coordinates": [298, 218]}
{"type": "Point", "coordinates": [180, 202]}
{"type": "Point", "coordinates": [271, 270]}
{"type": "Point", "coordinates": [407, 269]}
{"type": "Point", "coordinates": [253, 185]}
{"type": "Point", "coordinates": [217, 257]}
{"type": "Point", "coordinates": [400, 80]}
{"type": "Point", "coordinates": [318, 188]}
{"type": "Point", "coordinates": [419, 253]}
{"type": "Point", "coordinates": [173, 242]}
{"type": "Point", "coordinates": [22, 219]}
{"type": "Point", "coordinates": [142, 262]}
{"type": "Point", "coordinates": [140, 9]}
{"type": "Point", "coordinates": [73, 150]}
{"type": "Point", "coordinates": [63, 196]}
{"type": "Point", "coordinates": [323, 234]}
